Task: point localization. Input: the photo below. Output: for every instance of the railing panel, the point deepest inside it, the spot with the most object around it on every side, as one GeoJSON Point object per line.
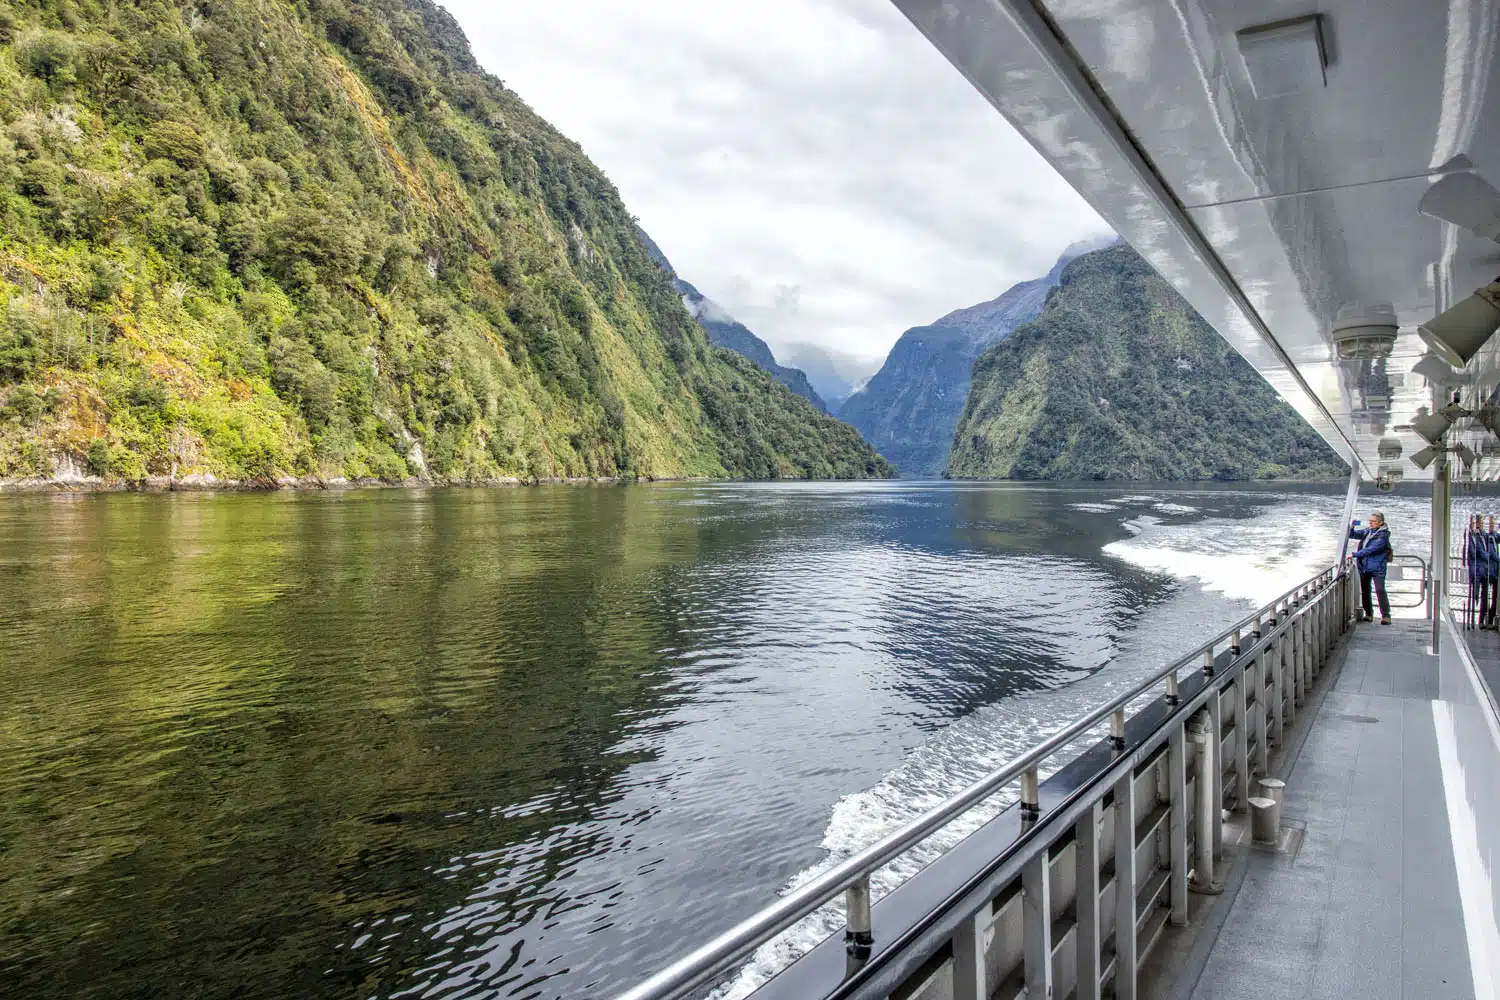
{"type": "Point", "coordinates": [1011, 916]}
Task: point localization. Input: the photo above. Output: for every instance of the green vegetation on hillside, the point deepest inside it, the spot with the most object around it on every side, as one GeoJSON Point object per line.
{"type": "Point", "coordinates": [1119, 378]}
{"type": "Point", "coordinates": [255, 240]}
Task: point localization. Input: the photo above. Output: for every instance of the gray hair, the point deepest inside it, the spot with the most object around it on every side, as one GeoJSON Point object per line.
{"type": "Point", "coordinates": [1378, 513]}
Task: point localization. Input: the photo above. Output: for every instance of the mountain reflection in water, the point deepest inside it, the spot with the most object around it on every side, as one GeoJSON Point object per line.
{"type": "Point", "coordinates": [534, 742]}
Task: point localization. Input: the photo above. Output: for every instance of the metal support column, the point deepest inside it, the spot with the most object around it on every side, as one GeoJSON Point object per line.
{"type": "Point", "coordinates": [1177, 824]}
{"type": "Point", "coordinates": [970, 980]}
{"type": "Point", "coordinates": [1125, 941]}
{"type": "Point", "coordinates": [1242, 739]}
{"type": "Point", "coordinates": [1440, 511]}
{"type": "Point", "coordinates": [1086, 901]}
{"type": "Point", "coordinates": [1036, 925]}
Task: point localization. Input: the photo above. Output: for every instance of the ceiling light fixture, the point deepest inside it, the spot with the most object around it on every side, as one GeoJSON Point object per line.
{"type": "Point", "coordinates": [1367, 331]}
{"type": "Point", "coordinates": [1458, 334]}
{"type": "Point", "coordinates": [1389, 449]}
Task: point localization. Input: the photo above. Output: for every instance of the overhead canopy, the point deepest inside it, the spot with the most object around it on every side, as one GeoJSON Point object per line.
{"type": "Point", "coordinates": [1269, 165]}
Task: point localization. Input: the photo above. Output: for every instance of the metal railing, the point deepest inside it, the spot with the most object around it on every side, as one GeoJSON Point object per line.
{"type": "Point", "coordinates": [1288, 640]}
{"type": "Point", "coordinates": [1406, 581]}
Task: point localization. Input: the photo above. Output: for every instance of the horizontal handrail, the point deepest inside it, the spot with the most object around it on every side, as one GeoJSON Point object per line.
{"type": "Point", "coordinates": [710, 960]}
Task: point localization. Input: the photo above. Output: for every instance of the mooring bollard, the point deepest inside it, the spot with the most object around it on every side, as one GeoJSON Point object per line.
{"type": "Point", "coordinates": [1265, 820]}
{"type": "Point", "coordinates": [1272, 788]}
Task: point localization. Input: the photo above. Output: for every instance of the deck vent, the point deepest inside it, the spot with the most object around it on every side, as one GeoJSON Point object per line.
{"type": "Point", "coordinates": [1285, 57]}
{"type": "Point", "coordinates": [1389, 449]}
{"type": "Point", "coordinates": [1362, 332]}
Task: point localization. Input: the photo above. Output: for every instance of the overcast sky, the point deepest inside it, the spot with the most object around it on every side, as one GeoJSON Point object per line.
{"type": "Point", "coordinates": [814, 166]}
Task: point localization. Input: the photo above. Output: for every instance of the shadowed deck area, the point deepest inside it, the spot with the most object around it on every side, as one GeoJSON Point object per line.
{"type": "Point", "coordinates": [1368, 904]}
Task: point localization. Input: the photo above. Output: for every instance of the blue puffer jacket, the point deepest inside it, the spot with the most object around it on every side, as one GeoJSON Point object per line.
{"type": "Point", "coordinates": [1376, 550]}
{"type": "Point", "coordinates": [1480, 556]}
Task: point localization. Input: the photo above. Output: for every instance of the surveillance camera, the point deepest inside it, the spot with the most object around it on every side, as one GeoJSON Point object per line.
{"type": "Point", "coordinates": [1385, 484]}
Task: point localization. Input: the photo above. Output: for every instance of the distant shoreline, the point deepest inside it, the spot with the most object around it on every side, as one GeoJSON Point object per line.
{"type": "Point", "coordinates": [310, 484]}
{"type": "Point", "coordinates": [307, 484]}
{"type": "Point", "coordinates": [303, 484]}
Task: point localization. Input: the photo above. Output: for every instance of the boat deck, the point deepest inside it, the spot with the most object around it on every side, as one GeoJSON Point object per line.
{"type": "Point", "coordinates": [1368, 903]}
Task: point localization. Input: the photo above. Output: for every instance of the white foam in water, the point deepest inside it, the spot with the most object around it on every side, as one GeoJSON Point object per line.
{"type": "Point", "coordinates": [1252, 560]}
{"type": "Point", "coordinates": [1255, 560]}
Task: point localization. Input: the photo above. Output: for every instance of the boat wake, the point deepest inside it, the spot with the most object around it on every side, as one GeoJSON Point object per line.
{"type": "Point", "coordinates": [1237, 564]}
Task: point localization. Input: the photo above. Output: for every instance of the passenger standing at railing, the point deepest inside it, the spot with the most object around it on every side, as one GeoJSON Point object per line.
{"type": "Point", "coordinates": [1371, 558]}
{"type": "Point", "coordinates": [1478, 563]}
{"type": "Point", "coordinates": [1492, 575]}
{"type": "Point", "coordinates": [1475, 556]}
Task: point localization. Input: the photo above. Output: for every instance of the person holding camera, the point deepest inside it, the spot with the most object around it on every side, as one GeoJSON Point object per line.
{"type": "Point", "coordinates": [1372, 557]}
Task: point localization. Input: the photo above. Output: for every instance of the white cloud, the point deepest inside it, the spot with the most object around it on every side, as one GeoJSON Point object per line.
{"type": "Point", "coordinates": [815, 166]}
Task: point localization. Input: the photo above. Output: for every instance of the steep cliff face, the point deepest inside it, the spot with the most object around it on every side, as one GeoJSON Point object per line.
{"type": "Point", "coordinates": [725, 331]}
{"type": "Point", "coordinates": [1119, 378]}
{"type": "Point", "coordinates": [910, 408]}
{"type": "Point", "coordinates": [254, 240]}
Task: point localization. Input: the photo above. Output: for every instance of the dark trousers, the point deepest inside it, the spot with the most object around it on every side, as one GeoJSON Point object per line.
{"type": "Point", "coordinates": [1486, 608]}
{"type": "Point", "coordinates": [1365, 579]}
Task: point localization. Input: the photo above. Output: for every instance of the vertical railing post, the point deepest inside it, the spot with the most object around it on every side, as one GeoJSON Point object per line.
{"type": "Point", "coordinates": [1203, 736]}
{"type": "Point", "coordinates": [1125, 941]}
{"type": "Point", "coordinates": [1117, 728]}
{"type": "Point", "coordinates": [1216, 769]}
{"type": "Point", "coordinates": [858, 936]}
{"type": "Point", "coordinates": [1086, 899]}
{"type": "Point", "coordinates": [1031, 807]}
{"type": "Point", "coordinates": [1262, 714]}
{"type": "Point", "coordinates": [1177, 823]}
{"type": "Point", "coordinates": [970, 976]}
{"type": "Point", "coordinates": [1242, 741]}
{"type": "Point", "coordinates": [1036, 925]}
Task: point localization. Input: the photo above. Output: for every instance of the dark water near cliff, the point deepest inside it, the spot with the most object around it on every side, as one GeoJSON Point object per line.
{"type": "Point", "coordinates": [531, 743]}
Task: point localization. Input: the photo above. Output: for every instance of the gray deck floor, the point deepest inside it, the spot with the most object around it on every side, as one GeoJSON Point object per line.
{"type": "Point", "coordinates": [1369, 905]}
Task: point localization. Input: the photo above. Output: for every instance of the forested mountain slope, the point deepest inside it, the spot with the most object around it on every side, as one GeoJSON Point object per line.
{"type": "Point", "coordinates": [254, 240]}
{"type": "Point", "coordinates": [1119, 378]}
{"type": "Point", "coordinates": [910, 408]}
{"type": "Point", "coordinates": [725, 331]}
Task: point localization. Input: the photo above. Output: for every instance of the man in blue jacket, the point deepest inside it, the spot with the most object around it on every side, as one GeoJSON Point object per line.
{"type": "Point", "coordinates": [1371, 558]}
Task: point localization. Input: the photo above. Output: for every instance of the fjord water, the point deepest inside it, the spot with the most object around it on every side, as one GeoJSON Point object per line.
{"type": "Point", "coordinates": [535, 742]}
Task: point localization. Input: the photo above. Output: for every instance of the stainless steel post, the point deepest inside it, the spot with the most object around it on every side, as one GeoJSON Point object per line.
{"type": "Point", "coordinates": [1177, 823]}
{"type": "Point", "coordinates": [1030, 796]}
{"type": "Point", "coordinates": [1440, 512]}
{"type": "Point", "coordinates": [1242, 738]}
{"type": "Point", "coordinates": [1125, 913]}
{"type": "Point", "coordinates": [970, 975]}
{"type": "Point", "coordinates": [1202, 735]}
{"type": "Point", "coordinates": [858, 937]}
{"type": "Point", "coordinates": [1086, 900]}
{"type": "Point", "coordinates": [1036, 925]}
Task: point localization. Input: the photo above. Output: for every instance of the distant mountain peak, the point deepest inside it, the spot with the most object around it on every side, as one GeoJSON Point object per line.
{"type": "Point", "coordinates": [911, 407]}
{"type": "Point", "coordinates": [726, 331]}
